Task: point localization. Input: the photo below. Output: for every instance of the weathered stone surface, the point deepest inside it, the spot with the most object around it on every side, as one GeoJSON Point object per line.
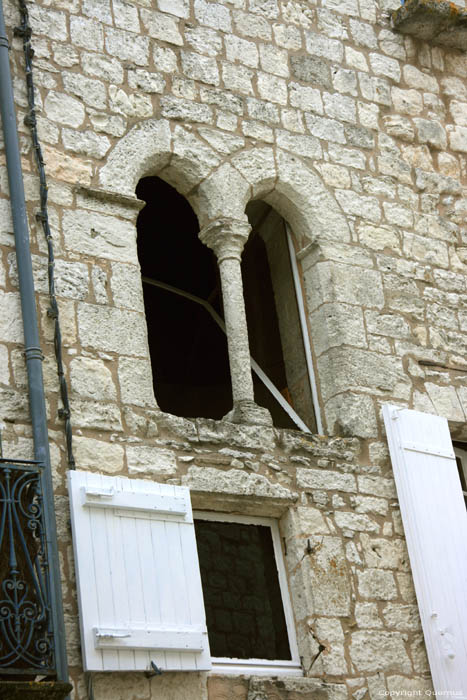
{"type": "Point", "coordinates": [112, 330]}
{"type": "Point", "coordinates": [235, 482]}
{"type": "Point", "coordinates": [92, 379]}
{"type": "Point", "coordinates": [99, 235]}
{"type": "Point", "coordinates": [98, 455]}
{"type": "Point", "coordinates": [143, 459]}
{"type": "Point", "coordinates": [378, 651]}
{"type": "Point", "coordinates": [135, 378]}
{"type": "Point", "coordinates": [325, 479]}
{"type": "Point", "coordinates": [377, 584]}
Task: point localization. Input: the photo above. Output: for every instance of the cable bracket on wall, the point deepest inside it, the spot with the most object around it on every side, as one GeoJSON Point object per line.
{"type": "Point", "coordinates": [24, 31]}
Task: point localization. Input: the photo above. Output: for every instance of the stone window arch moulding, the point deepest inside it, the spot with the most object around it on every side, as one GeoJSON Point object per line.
{"type": "Point", "coordinates": [218, 193]}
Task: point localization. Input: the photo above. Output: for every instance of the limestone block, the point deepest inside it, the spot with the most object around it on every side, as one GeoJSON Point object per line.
{"type": "Point", "coordinates": [383, 65]}
{"type": "Point", "coordinates": [165, 59]}
{"type": "Point", "coordinates": [378, 237]}
{"type": "Point", "coordinates": [368, 504]}
{"type": "Point", "coordinates": [415, 247]}
{"type": "Point", "coordinates": [431, 132]}
{"type": "Point", "coordinates": [192, 160]}
{"type": "Point", "coordinates": [48, 22]}
{"type": "Point", "coordinates": [236, 483]}
{"type": "Point", "coordinates": [112, 124]}
{"type": "Point", "coordinates": [458, 112]}
{"type": "Point", "coordinates": [4, 365]}
{"type": "Point", "coordinates": [272, 88]}
{"type": "Point", "coordinates": [64, 109]}
{"type": "Point", "coordinates": [96, 415]}
{"type": "Point", "coordinates": [335, 175]}
{"type": "Point", "coordinates": [445, 401]}
{"type": "Point", "coordinates": [91, 91]}
{"type": "Point", "coordinates": [258, 167]}
{"type": "Point", "coordinates": [14, 405]}
{"type": "Point", "coordinates": [337, 324]}
{"type": "Point", "coordinates": [132, 105]}
{"type": "Point", "coordinates": [146, 148]}
{"type": "Point", "coordinates": [274, 60]}
{"type": "Point", "coordinates": [263, 111]}
{"type": "Point", "coordinates": [305, 98]}
{"type": "Point", "coordinates": [87, 143]}
{"type": "Point", "coordinates": [325, 479]}
{"type": "Point", "coordinates": [350, 157]}
{"type": "Point", "coordinates": [345, 81]}
{"type": "Point", "coordinates": [223, 143]}
{"type": "Point", "coordinates": [406, 101]}
{"type": "Point", "coordinates": [100, 9]}
{"type": "Point", "coordinates": [301, 187]}
{"type": "Point", "coordinates": [404, 618]}
{"type": "Point", "coordinates": [92, 379]}
{"type": "Point", "coordinates": [368, 115]}
{"type": "Point", "coordinates": [213, 15]}
{"type": "Point", "coordinates": [100, 235]}
{"type": "Point", "coordinates": [140, 79]}
{"type": "Point", "coordinates": [306, 146]}
{"type": "Point", "coordinates": [11, 325]}
{"type": "Point", "coordinates": [377, 486]}
{"type": "Point", "coordinates": [185, 110]}
{"type": "Point", "coordinates": [235, 435]}
{"type": "Point", "coordinates": [340, 107]}
{"type": "Point", "coordinates": [327, 129]}
{"type": "Point", "coordinates": [380, 553]}
{"type": "Point", "coordinates": [352, 414]}
{"type": "Point", "coordinates": [112, 330]}
{"type": "Point", "coordinates": [366, 616]}
{"type": "Point", "coordinates": [363, 34]}
{"type": "Point", "coordinates": [356, 522]}
{"type": "Point", "coordinates": [311, 69]}
{"type": "Point", "coordinates": [287, 36]}
{"type": "Point", "coordinates": [126, 16]}
{"type": "Point", "coordinates": [135, 379]}
{"type": "Point", "coordinates": [86, 33]}
{"type": "Point", "coordinates": [333, 282]}
{"type": "Point", "coordinates": [126, 286]}
{"type": "Point", "coordinates": [458, 138]}
{"type": "Point", "coordinates": [358, 205]}
{"type": "Point", "coordinates": [326, 573]}
{"type": "Point", "coordinates": [379, 651]}
{"type": "Point", "coordinates": [419, 656]}
{"type": "Point", "coordinates": [415, 78]}
{"type": "Point", "coordinates": [198, 67]}
{"type": "Point", "coordinates": [97, 455]}
{"type": "Point", "coordinates": [319, 45]}
{"type": "Point", "coordinates": [375, 89]}
{"type": "Point", "coordinates": [238, 49]}
{"type": "Point", "coordinates": [252, 26]}
{"type": "Point", "coordinates": [223, 99]}
{"type": "Point", "coordinates": [376, 584]}
{"type": "Point", "coordinates": [128, 47]}
{"type": "Point", "coordinates": [143, 459]}
{"type": "Point", "coordinates": [400, 127]}
{"type": "Point", "coordinates": [304, 520]}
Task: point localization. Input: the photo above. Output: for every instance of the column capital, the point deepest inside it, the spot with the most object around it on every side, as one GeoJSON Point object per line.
{"type": "Point", "coordinates": [226, 237]}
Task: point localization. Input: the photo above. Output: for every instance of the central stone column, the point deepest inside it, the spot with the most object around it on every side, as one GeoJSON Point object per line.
{"type": "Point", "coordinates": [226, 237]}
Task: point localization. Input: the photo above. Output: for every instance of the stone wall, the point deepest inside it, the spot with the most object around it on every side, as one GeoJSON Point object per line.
{"type": "Point", "coordinates": [357, 136]}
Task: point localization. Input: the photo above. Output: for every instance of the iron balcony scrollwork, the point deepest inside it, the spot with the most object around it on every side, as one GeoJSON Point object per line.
{"type": "Point", "coordinates": [26, 634]}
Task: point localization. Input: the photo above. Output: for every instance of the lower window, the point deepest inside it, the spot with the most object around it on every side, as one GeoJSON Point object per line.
{"type": "Point", "coordinates": [248, 612]}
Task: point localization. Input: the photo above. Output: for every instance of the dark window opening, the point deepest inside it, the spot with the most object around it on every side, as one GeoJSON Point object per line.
{"type": "Point", "coordinates": [242, 596]}
{"type": "Point", "coordinates": [460, 450]}
{"type": "Point", "coordinates": [188, 350]}
{"type": "Point", "coordinates": [274, 330]}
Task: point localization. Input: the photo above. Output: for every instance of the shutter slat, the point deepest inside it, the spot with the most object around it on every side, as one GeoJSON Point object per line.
{"type": "Point", "coordinates": [435, 524]}
{"type": "Point", "coordinates": [138, 600]}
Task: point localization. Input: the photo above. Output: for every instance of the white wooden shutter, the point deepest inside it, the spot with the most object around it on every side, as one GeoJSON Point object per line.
{"type": "Point", "coordinates": [139, 585]}
{"type": "Point", "coordinates": [435, 524]}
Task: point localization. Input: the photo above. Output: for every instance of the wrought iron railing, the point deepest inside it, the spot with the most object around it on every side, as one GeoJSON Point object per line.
{"type": "Point", "coordinates": [26, 633]}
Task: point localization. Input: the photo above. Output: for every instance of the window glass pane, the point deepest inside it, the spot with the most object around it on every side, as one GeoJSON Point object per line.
{"type": "Point", "coordinates": [242, 596]}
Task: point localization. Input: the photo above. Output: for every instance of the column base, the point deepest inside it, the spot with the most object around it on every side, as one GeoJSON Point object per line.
{"type": "Point", "coordinates": [249, 413]}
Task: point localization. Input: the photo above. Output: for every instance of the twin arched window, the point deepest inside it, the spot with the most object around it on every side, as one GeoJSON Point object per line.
{"type": "Point", "coordinates": [184, 312]}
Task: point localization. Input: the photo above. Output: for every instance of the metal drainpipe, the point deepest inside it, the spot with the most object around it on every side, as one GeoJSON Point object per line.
{"type": "Point", "coordinates": [31, 342]}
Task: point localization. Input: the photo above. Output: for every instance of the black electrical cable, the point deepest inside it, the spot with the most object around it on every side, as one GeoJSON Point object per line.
{"type": "Point", "coordinates": [24, 31]}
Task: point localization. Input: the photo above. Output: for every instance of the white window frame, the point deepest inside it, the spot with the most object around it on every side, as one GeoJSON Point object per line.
{"type": "Point", "coordinates": [268, 667]}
